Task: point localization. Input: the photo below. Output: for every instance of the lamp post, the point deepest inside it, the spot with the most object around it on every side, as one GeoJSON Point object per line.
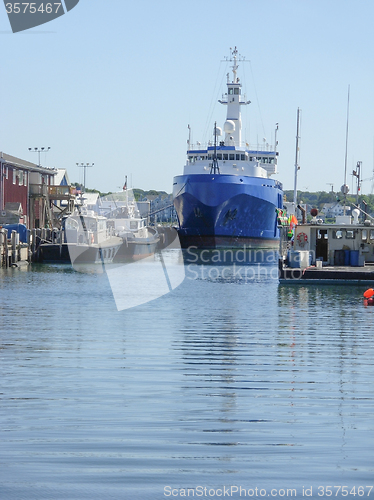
{"type": "Point", "coordinates": [84, 166]}
{"type": "Point", "coordinates": [39, 150]}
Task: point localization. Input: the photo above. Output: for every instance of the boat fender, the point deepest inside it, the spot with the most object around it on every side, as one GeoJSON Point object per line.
{"type": "Point", "coordinates": [302, 239]}
{"type": "Point", "coordinates": [369, 293]}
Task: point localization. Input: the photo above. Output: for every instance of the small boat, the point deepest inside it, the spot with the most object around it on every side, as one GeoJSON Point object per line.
{"type": "Point", "coordinates": [84, 238]}
{"type": "Point", "coordinates": [139, 240]}
{"type": "Point", "coordinates": [342, 252]}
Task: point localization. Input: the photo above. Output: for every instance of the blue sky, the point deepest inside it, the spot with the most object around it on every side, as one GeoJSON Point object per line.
{"type": "Point", "coordinates": [116, 83]}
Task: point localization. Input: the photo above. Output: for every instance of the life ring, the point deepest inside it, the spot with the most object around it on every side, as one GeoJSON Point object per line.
{"type": "Point", "coordinates": [302, 239]}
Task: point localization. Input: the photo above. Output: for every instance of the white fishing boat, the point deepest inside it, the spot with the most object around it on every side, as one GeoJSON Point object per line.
{"type": "Point", "coordinates": [85, 238]}
{"type": "Point", "coordinates": [139, 239]}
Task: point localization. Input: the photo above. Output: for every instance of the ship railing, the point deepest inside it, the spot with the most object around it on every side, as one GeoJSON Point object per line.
{"type": "Point", "coordinates": [259, 148]}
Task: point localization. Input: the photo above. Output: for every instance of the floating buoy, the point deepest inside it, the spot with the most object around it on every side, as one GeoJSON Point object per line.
{"type": "Point", "coordinates": [369, 293]}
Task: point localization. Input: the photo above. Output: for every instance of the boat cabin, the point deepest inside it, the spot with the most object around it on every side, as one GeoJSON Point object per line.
{"type": "Point", "coordinates": [232, 160]}
{"type": "Point", "coordinates": [339, 244]}
{"type": "Point", "coordinates": [129, 225]}
{"type": "Point", "coordinates": [87, 229]}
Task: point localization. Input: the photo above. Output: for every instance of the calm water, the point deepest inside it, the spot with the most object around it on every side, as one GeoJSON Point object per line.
{"type": "Point", "coordinates": [224, 382]}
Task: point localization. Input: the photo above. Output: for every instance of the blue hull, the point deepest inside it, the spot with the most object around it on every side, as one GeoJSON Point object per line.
{"type": "Point", "coordinates": [227, 211]}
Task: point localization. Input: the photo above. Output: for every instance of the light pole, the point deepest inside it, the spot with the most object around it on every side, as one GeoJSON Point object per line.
{"type": "Point", "coordinates": [39, 150]}
{"type": "Point", "coordinates": [84, 166]}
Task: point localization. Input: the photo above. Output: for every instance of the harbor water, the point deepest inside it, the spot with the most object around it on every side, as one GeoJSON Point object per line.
{"type": "Point", "coordinates": [231, 385]}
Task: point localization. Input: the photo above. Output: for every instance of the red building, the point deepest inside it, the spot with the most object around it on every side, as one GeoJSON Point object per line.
{"type": "Point", "coordinates": [27, 184]}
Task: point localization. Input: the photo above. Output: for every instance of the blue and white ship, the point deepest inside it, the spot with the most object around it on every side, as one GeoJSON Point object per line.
{"type": "Point", "coordinates": [226, 197]}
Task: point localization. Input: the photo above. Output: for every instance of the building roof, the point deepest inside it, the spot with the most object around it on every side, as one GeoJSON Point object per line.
{"type": "Point", "coordinates": [26, 165]}
{"type": "Point", "coordinates": [61, 173]}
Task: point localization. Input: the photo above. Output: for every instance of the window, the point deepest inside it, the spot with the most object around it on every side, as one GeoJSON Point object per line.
{"type": "Point", "coordinates": [6, 172]}
{"type": "Point", "coordinates": [219, 157]}
{"type": "Point", "coordinates": [337, 235]}
{"type": "Point", "coordinates": [231, 157]}
{"type": "Point", "coordinates": [14, 176]}
{"type": "Point", "coordinates": [236, 91]}
{"type": "Point", "coordinates": [25, 179]}
{"type": "Point", "coordinates": [242, 157]}
{"type": "Point", "coordinates": [349, 234]}
{"type": "Point", "coordinates": [231, 91]}
{"type": "Point", "coordinates": [225, 157]}
{"type": "Point", "coordinates": [20, 175]}
{"type": "Point", "coordinates": [364, 235]}
{"type": "Point", "coordinates": [371, 234]}
{"type": "Point", "coordinates": [237, 157]}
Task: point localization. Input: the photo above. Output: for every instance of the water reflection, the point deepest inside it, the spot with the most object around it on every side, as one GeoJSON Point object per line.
{"type": "Point", "coordinates": [218, 382]}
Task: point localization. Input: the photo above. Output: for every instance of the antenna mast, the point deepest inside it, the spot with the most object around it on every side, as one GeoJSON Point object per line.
{"type": "Point", "coordinates": [215, 167]}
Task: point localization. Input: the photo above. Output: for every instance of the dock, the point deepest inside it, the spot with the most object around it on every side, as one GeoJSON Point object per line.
{"type": "Point", "coordinates": [326, 275]}
{"type": "Point", "coordinates": [13, 253]}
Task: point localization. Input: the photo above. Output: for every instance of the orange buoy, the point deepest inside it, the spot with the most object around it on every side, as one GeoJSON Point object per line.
{"type": "Point", "coordinates": [369, 293]}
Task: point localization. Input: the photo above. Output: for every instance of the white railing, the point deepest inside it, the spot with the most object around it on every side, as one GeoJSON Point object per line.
{"type": "Point", "coordinates": [260, 147]}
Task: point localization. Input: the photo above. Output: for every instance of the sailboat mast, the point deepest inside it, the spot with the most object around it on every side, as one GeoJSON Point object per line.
{"type": "Point", "coordinates": [296, 159]}
{"type": "Point", "coordinates": [345, 187]}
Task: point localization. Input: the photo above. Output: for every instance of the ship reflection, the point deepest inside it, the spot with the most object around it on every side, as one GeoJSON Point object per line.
{"type": "Point", "coordinates": [231, 265]}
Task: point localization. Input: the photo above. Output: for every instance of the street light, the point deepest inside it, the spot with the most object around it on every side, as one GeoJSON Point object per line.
{"type": "Point", "coordinates": [84, 166]}
{"type": "Point", "coordinates": [39, 150]}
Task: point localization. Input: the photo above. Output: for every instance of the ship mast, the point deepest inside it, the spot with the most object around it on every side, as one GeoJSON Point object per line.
{"type": "Point", "coordinates": [215, 168]}
{"type": "Point", "coordinates": [233, 100]}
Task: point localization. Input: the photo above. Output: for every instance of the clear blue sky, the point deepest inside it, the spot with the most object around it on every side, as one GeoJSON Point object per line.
{"type": "Point", "coordinates": [117, 82]}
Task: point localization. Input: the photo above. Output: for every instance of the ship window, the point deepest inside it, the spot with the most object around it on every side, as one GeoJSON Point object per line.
{"type": "Point", "coordinates": [242, 157]}
{"type": "Point", "coordinates": [364, 235]}
{"type": "Point", "coordinates": [14, 176]}
{"type": "Point", "coordinates": [231, 91]}
{"type": "Point", "coordinates": [349, 234]}
{"type": "Point", "coordinates": [337, 235]}
{"type": "Point", "coordinates": [236, 91]}
{"type": "Point", "coordinates": [6, 172]}
{"type": "Point", "coordinates": [25, 179]}
{"type": "Point", "coordinates": [210, 157]}
{"type": "Point", "coordinates": [219, 157]}
{"type": "Point", "coordinates": [232, 157]}
{"type": "Point", "coordinates": [372, 234]}
{"type": "Point", "coordinates": [237, 157]}
{"type": "Point", "coordinates": [225, 157]}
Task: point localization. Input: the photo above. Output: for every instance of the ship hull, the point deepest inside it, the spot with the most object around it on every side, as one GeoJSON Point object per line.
{"type": "Point", "coordinates": [227, 211]}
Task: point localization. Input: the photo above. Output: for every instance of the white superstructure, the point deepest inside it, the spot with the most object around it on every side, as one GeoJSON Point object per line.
{"type": "Point", "coordinates": [233, 156]}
